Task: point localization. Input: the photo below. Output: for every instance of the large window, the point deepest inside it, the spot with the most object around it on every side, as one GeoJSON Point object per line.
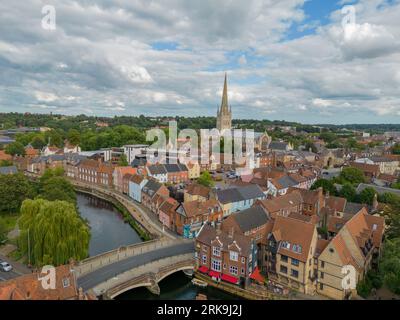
{"type": "Point", "coordinates": [233, 270]}
{"type": "Point", "coordinates": [216, 265]}
{"type": "Point", "coordinates": [294, 273]}
{"type": "Point", "coordinates": [283, 269]}
{"type": "Point", "coordinates": [217, 251]}
{"type": "Point", "coordinates": [234, 256]}
{"type": "Point", "coordinates": [284, 258]}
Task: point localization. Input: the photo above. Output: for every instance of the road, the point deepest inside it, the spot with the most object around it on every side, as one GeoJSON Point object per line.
{"type": "Point", "coordinates": [99, 276]}
{"type": "Point", "coordinates": [17, 271]}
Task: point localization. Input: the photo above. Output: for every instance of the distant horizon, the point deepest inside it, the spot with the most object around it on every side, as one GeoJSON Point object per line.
{"type": "Point", "coordinates": [205, 116]}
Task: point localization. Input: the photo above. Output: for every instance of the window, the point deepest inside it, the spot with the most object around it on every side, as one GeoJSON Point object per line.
{"type": "Point", "coordinates": [242, 270]}
{"type": "Point", "coordinates": [204, 259]}
{"type": "Point", "coordinates": [204, 248]}
{"type": "Point", "coordinates": [322, 264]}
{"type": "Point", "coordinates": [295, 262]}
{"type": "Point", "coordinates": [234, 256]}
{"type": "Point", "coordinates": [233, 270]}
{"type": "Point", "coordinates": [216, 265]}
{"type": "Point", "coordinates": [294, 273]}
{"type": "Point", "coordinates": [322, 275]}
{"type": "Point", "coordinates": [217, 251]}
{"type": "Point", "coordinates": [66, 282]}
{"type": "Point", "coordinates": [283, 269]}
{"type": "Point", "coordinates": [243, 260]}
{"type": "Point", "coordinates": [284, 258]}
{"type": "Point", "coordinates": [321, 286]}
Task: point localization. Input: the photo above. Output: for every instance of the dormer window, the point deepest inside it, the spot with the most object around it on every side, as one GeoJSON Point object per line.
{"type": "Point", "coordinates": [217, 251]}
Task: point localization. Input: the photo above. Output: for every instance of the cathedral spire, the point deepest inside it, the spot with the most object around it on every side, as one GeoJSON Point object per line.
{"type": "Point", "coordinates": [224, 104]}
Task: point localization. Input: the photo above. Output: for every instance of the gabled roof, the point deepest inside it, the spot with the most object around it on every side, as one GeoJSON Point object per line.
{"type": "Point", "coordinates": [157, 169]}
{"type": "Point", "coordinates": [250, 219]}
{"type": "Point", "coordinates": [209, 235]}
{"type": "Point", "coordinates": [151, 187]}
{"type": "Point", "coordinates": [197, 189]}
{"type": "Point", "coordinates": [280, 203]}
{"type": "Point", "coordinates": [195, 208]}
{"type": "Point", "coordinates": [336, 203]}
{"type": "Point", "coordinates": [296, 234]}
{"type": "Point", "coordinates": [237, 194]}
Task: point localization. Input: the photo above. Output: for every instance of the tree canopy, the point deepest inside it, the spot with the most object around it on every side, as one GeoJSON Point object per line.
{"type": "Point", "coordinates": [205, 179]}
{"type": "Point", "coordinates": [326, 185]}
{"type": "Point", "coordinates": [15, 148]}
{"type": "Point", "coordinates": [14, 189]}
{"type": "Point", "coordinates": [52, 232]}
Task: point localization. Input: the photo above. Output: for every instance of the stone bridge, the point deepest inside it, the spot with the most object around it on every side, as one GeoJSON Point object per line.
{"type": "Point", "coordinates": [140, 265]}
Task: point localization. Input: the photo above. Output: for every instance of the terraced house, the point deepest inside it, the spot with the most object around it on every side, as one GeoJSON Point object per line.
{"type": "Point", "coordinates": [291, 245]}
{"type": "Point", "coordinates": [239, 198]}
{"type": "Point", "coordinates": [357, 244]}
{"type": "Point", "coordinates": [228, 257]}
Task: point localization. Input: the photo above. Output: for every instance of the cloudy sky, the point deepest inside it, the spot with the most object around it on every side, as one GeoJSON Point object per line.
{"type": "Point", "coordinates": [286, 59]}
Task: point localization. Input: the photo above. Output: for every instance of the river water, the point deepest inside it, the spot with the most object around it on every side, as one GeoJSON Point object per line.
{"type": "Point", "coordinates": [109, 232]}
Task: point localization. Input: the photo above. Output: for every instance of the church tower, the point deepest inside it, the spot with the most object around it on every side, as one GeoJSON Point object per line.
{"type": "Point", "coordinates": [224, 114]}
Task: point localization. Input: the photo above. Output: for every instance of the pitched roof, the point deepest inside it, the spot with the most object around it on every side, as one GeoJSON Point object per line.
{"type": "Point", "coordinates": [336, 203]}
{"type": "Point", "coordinates": [137, 179]}
{"type": "Point", "coordinates": [157, 169]}
{"type": "Point", "coordinates": [208, 234]}
{"type": "Point", "coordinates": [280, 203]}
{"type": "Point", "coordinates": [5, 156]}
{"type": "Point", "coordinates": [241, 193]}
{"type": "Point", "coordinates": [194, 208]}
{"type": "Point", "coordinates": [197, 189]}
{"type": "Point", "coordinates": [250, 219]}
{"type": "Point", "coordinates": [28, 287]}
{"type": "Point", "coordinates": [296, 234]}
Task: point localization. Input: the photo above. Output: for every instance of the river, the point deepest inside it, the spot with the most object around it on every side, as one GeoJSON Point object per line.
{"type": "Point", "coordinates": [109, 232]}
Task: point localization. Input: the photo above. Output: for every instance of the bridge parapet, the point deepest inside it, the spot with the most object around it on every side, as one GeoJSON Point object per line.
{"type": "Point", "coordinates": [148, 275]}
{"type": "Point", "coordinates": [97, 262]}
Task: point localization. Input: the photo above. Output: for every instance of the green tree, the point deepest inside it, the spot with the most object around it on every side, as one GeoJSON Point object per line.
{"type": "Point", "coordinates": [205, 179]}
{"type": "Point", "coordinates": [352, 175]}
{"type": "Point", "coordinates": [311, 146]}
{"type": "Point", "coordinates": [5, 163]}
{"type": "Point", "coordinates": [389, 266]}
{"type": "Point", "coordinates": [396, 149]}
{"type": "Point", "coordinates": [58, 188]}
{"type": "Point", "coordinates": [348, 192]}
{"type": "Point", "coordinates": [3, 231]}
{"type": "Point", "coordinates": [53, 231]}
{"type": "Point", "coordinates": [14, 189]}
{"type": "Point", "coordinates": [74, 137]}
{"type": "Point", "coordinates": [326, 185]}
{"type": "Point", "coordinates": [123, 161]}
{"type": "Point", "coordinates": [38, 142]}
{"type": "Point", "coordinates": [367, 196]}
{"type": "Point", "coordinates": [15, 148]}
{"type": "Point", "coordinates": [391, 213]}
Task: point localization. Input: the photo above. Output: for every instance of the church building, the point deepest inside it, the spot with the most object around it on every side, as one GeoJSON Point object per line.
{"type": "Point", "coordinates": [224, 114]}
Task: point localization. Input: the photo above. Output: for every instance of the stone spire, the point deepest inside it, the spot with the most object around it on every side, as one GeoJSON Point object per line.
{"type": "Point", "coordinates": [224, 104]}
{"type": "Point", "coordinates": [224, 114]}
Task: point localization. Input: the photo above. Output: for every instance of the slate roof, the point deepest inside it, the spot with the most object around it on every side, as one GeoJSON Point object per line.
{"type": "Point", "coordinates": [157, 169]}
{"type": "Point", "coordinates": [237, 194]}
{"type": "Point", "coordinates": [151, 187]}
{"type": "Point", "coordinates": [251, 218]}
{"type": "Point", "coordinates": [208, 234]}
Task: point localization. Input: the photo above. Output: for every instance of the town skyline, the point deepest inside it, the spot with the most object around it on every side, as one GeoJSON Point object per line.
{"type": "Point", "coordinates": [292, 60]}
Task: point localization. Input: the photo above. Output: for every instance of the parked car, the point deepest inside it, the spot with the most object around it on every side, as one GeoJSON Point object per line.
{"type": "Point", "coordinates": [5, 266]}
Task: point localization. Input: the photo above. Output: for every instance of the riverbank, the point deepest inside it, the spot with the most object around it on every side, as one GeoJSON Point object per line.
{"type": "Point", "coordinates": [128, 218]}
